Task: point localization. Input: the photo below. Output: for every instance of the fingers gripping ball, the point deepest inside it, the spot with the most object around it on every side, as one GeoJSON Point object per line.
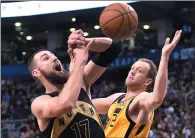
{"type": "Point", "coordinates": [118, 21]}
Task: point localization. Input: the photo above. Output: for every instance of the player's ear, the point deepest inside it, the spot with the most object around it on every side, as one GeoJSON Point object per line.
{"type": "Point", "coordinates": [36, 73]}
{"type": "Point", "coordinates": [148, 81]}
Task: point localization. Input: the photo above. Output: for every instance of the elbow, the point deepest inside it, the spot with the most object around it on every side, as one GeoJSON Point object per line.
{"type": "Point", "coordinates": [158, 101]}
{"type": "Point", "coordinates": [159, 98]}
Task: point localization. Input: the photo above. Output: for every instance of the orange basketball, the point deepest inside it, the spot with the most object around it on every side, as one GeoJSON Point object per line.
{"type": "Point", "coordinates": [118, 21]}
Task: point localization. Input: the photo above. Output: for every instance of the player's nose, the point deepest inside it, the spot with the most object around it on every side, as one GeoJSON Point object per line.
{"type": "Point", "coordinates": [132, 72]}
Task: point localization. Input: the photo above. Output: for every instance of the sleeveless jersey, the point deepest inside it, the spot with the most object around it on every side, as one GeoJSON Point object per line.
{"type": "Point", "coordinates": [119, 124]}
{"type": "Point", "coordinates": [82, 122]}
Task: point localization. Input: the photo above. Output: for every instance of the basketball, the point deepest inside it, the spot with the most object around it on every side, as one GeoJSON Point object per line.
{"type": "Point", "coordinates": [118, 21]}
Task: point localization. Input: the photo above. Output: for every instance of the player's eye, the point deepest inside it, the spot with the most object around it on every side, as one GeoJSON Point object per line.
{"type": "Point", "coordinates": [140, 71]}
{"type": "Point", "coordinates": [45, 57]}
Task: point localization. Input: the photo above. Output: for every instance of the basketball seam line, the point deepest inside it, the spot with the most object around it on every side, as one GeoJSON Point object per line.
{"type": "Point", "coordinates": [116, 10]}
{"type": "Point", "coordinates": [127, 17]}
{"type": "Point", "coordinates": [134, 25]}
{"type": "Point", "coordinates": [119, 27]}
{"type": "Point", "coordinates": [122, 7]}
{"type": "Point", "coordinates": [115, 17]}
{"type": "Point", "coordinates": [109, 9]}
{"type": "Point", "coordinates": [132, 16]}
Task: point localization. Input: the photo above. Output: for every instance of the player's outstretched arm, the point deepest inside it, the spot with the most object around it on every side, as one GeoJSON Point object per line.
{"type": "Point", "coordinates": [48, 107]}
{"type": "Point", "coordinates": [155, 99]}
{"type": "Point", "coordinates": [100, 44]}
{"type": "Point", "coordinates": [103, 104]}
{"type": "Point", "coordinates": [107, 49]}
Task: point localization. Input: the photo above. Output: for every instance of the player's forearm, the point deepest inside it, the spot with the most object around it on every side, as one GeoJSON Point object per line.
{"type": "Point", "coordinates": [71, 90]}
{"type": "Point", "coordinates": [100, 44]}
{"type": "Point", "coordinates": [101, 61]}
{"type": "Point", "coordinates": [160, 85]}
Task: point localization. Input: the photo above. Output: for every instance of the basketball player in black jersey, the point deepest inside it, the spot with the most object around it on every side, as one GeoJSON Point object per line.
{"type": "Point", "coordinates": [66, 110]}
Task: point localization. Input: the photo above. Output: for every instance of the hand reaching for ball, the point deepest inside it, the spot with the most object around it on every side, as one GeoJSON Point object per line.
{"type": "Point", "coordinates": [76, 42]}
{"type": "Point", "coordinates": [78, 48]}
{"type": "Point", "coordinates": [76, 38]}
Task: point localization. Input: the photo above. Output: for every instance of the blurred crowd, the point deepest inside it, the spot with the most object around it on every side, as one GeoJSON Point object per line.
{"type": "Point", "coordinates": [140, 44]}
{"type": "Point", "coordinates": [173, 119]}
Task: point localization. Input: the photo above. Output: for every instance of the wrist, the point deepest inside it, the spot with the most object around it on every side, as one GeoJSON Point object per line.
{"type": "Point", "coordinates": [165, 56]}
{"type": "Point", "coordinates": [80, 62]}
{"type": "Point", "coordinates": [78, 67]}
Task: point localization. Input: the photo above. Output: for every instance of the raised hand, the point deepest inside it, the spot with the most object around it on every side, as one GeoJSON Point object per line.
{"type": "Point", "coordinates": [76, 38]}
{"type": "Point", "coordinates": [81, 52]}
{"type": "Point", "coordinates": [168, 47]}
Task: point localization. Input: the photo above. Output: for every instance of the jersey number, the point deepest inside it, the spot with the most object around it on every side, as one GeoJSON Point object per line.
{"type": "Point", "coordinates": [78, 126]}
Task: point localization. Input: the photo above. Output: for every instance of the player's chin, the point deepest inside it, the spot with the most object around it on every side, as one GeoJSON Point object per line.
{"type": "Point", "coordinates": [129, 82]}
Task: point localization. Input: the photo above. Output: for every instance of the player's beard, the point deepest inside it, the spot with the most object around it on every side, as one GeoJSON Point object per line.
{"type": "Point", "coordinates": [55, 78]}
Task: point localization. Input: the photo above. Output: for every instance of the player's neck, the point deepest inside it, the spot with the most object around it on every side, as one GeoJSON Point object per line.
{"type": "Point", "coordinates": [133, 92]}
{"type": "Point", "coordinates": [49, 87]}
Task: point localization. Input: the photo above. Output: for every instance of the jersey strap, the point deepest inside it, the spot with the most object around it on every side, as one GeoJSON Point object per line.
{"type": "Point", "coordinates": [119, 98]}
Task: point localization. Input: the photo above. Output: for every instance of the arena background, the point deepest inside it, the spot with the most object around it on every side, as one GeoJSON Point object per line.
{"type": "Point", "coordinates": [21, 36]}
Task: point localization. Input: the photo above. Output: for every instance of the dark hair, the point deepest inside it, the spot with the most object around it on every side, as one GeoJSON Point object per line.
{"type": "Point", "coordinates": [151, 72]}
{"type": "Point", "coordinates": [31, 63]}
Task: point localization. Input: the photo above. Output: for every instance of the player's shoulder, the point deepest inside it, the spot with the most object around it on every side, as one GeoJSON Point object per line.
{"type": "Point", "coordinates": [117, 94]}
{"type": "Point", "coordinates": [143, 95]}
{"type": "Point", "coordinates": [41, 98]}
{"type": "Point", "coordinates": [38, 103]}
{"type": "Point", "coordinates": [114, 97]}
